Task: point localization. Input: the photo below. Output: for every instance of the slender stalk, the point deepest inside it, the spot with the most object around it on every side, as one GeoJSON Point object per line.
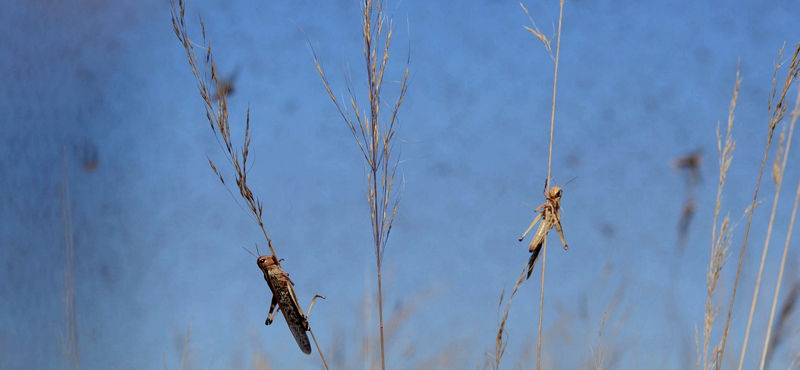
{"type": "Point", "coordinates": [71, 349]}
{"type": "Point", "coordinates": [777, 115]}
{"type": "Point", "coordinates": [794, 117]}
{"type": "Point", "coordinates": [374, 135]}
{"type": "Point", "coordinates": [541, 309]}
{"type": "Point", "coordinates": [549, 176]}
{"type": "Point", "coordinates": [216, 106]}
{"type": "Point", "coordinates": [719, 244]}
{"type": "Point", "coordinates": [547, 42]}
{"type": "Point", "coordinates": [778, 184]}
{"type": "Point", "coordinates": [555, 85]}
{"type": "Point", "coordinates": [500, 344]}
{"type": "Point", "coordinates": [314, 337]}
{"type": "Point", "coordinates": [380, 315]}
{"type": "Point", "coordinates": [780, 279]}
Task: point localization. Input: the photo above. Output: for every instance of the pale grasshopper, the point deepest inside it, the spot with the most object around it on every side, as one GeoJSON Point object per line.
{"type": "Point", "coordinates": [284, 298]}
{"type": "Point", "coordinates": [551, 217]}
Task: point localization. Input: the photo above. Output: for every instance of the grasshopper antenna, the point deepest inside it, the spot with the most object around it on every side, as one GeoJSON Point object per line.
{"type": "Point", "coordinates": [248, 251]}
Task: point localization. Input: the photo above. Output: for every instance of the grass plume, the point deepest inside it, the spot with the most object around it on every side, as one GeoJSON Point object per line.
{"type": "Point", "coordinates": [720, 243]}
{"type": "Point", "coordinates": [778, 176]}
{"type": "Point", "coordinates": [216, 107]}
{"type": "Point", "coordinates": [501, 340]}
{"type": "Point", "coordinates": [777, 109]}
{"type": "Point", "coordinates": [374, 134]}
{"type": "Point", "coordinates": [500, 345]}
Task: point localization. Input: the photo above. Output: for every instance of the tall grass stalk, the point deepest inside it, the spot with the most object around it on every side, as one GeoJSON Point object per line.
{"type": "Point", "coordinates": [600, 357]}
{"type": "Point", "coordinates": [374, 134]}
{"type": "Point", "coordinates": [538, 34]}
{"type": "Point", "coordinates": [778, 180]}
{"type": "Point", "coordinates": [777, 113]}
{"type": "Point", "coordinates": [216, 107]}
{"type": "Point", "coordinates": [720, 244]}
{"type": "Point", "coordinates": [70, 312]}
{"type": "Point", "coordinates": [501, 341]}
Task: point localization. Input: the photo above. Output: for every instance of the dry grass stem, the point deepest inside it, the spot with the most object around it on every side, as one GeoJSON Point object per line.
{"type": "Point", "coordinates": [547, 44]}
{"type": "Point", "coordinates": [538, 34]}
{"type": "Point", "coordinates": [607, 355]}
{"type": "Point", "coordinates": [776, 165]}
{"type": "Point", "coordinates": [374, 134]}
{"type": "Point", "coordinates": [778, 175]}
{"type": "Point", "coordinates": [501, 341]}
{"type": "Point", "coordinates": [205, 72]}
{"type": "Point", "coordinates": [777, 114]}
{"type": "Point", "coordinates": [719, 243]}
{"type": "Point", "coordinates": [598, 363]}
{"type": "Point", "coordinates": [71, 343]}
{"type": "Point", "coordinates": [216, 106]}
{"type": "Point", "coordinates": [541, 309]}
{"type": "Point", "coordinates": [186, 348]}
{"type": "Point", "coordinates": [718, 258]}
{"type": "Point", "coordinates": [795, 362]}
{"type": "Point", "coordinates": [782, 326]}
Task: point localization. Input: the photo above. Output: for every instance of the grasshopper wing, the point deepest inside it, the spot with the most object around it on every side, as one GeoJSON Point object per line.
{"type": "Point", "coordinates": [282, 286]}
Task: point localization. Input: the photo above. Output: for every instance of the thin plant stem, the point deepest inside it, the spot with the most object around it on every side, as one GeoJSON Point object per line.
{"type": "Point", "coordinates": [547, 42]}
{"type": "Point", "coordinates": [794, 116]}
{"type": "Point", "coordinates": [780, 279]}
{"type": "Point", "coordinates": [374, 136]}
{"type": "Point", "coordinates": [541, 308]}
{"type": "Point", "coordinates": [380, 315]}
{"type": "Point", "coordinates": [555, 85]}
{"type": "Point", "coordinates": [778, 184]}
{"type": "Point", "coordinates": [719, 244]}
{"type": "Point", "coordinates": [549, 174]}
{"type": "Point", "coordinates": [500, 344]}
{"type": "Point", "coordinates": [776, 116]}
{"type": "Point", "coordinates": [319, 350]}
{"type": "Point", "coordinates": [216, 107]}
{"type": "Point", "coordinates": [71, 345]}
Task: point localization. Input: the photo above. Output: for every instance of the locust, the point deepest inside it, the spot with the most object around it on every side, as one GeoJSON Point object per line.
{"type": "Point", "coordinates": [285, 300]}
{"type": "Point", "coordinates": [550, 217]}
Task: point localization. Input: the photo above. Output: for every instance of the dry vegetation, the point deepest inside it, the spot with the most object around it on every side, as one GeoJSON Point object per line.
{"type": "Point", "coordinates": [216, 107]}
{"type": "Point", "coordinates": [550, 216]}
{"type": "Point", "coordinates": [70, 340]}
{"type": "Point", "coordinates": [375, 134]}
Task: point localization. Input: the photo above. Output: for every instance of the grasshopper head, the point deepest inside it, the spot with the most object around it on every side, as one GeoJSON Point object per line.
{"type": "Point", "coordinates": [266, 261]}
{"type": "Point", "coordinates": [555, 192]}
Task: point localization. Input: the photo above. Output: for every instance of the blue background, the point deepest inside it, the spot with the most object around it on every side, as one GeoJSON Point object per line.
{"type": "Point", "coordinates": [158, 239]}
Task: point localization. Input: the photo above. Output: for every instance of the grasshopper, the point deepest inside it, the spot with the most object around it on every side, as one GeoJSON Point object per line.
{"type": "Point", "coordinates": [284, 298]}
{"type": "Point", "coordinates": [551, 217]}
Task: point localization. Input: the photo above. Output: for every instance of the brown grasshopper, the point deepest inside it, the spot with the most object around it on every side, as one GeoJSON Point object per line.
{"type": "Point", "coordinates": [284, 298]}
{"type": "Point", "coordinates": [550, 217]}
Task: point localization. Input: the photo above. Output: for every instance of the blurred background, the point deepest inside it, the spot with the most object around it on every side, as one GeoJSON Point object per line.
{"type": "Point", "coordinates": [103, 89]}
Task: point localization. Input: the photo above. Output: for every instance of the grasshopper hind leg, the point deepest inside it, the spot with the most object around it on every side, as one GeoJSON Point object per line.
{"type": "Point", "coordinates": [272, 311]}
{"type": "Point", "coordinates": [535, 220]}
